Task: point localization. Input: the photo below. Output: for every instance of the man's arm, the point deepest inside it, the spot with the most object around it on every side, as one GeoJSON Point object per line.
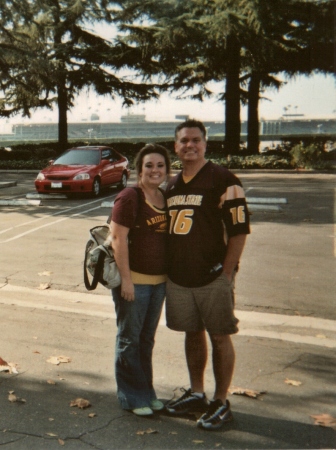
{"type": "Point", "coordinates": [235, 249]}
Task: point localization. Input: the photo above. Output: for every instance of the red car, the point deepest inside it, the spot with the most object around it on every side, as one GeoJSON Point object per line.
{"type": "Point", "coordinates": [84, 170]}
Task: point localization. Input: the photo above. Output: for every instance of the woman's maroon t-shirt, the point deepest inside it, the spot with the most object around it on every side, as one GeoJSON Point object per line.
{"type": "Point", "coordinates": [148, 231]}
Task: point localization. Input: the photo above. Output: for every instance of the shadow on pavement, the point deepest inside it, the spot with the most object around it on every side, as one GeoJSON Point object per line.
{"type": "Point", "coordinates": [46, 421]}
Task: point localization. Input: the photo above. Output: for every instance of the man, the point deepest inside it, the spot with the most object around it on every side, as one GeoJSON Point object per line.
{"type": "Point", "coordinates": [208, 224]}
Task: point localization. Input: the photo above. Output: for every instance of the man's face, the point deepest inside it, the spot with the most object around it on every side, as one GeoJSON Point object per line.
{"type": "Point", "coordinates": [190, 145]}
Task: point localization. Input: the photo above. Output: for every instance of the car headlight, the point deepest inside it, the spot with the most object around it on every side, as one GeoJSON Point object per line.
{"type": "Point", "coordinates": [82, 176]}
{"type": "Point", "coordinates": [40, 177]}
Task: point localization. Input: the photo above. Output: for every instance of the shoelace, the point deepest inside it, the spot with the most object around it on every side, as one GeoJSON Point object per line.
{"type": "Point", "coordinates": [214, 407]}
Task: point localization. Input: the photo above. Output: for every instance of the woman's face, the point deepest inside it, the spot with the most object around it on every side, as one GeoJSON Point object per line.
{"type": "Point", "coordinates": [154, 170]}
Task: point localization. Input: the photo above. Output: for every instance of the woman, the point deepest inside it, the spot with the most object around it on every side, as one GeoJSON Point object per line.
{"type": "Point", "coordinates": [138, 231]}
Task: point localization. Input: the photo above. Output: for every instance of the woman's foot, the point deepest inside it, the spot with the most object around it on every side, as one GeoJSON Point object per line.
{"type": "Point", "coordinates": [144, 411]}
{"type": "Point", "coordinates": [156, 405]}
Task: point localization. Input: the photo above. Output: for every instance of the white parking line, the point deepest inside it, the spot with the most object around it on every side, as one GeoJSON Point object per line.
{"type": "Point", "coordinates": [47, 225]}
{"type": "Point", "coordinates": [33, 230]}
{"type": "Point", "coordinates": [47, 216]}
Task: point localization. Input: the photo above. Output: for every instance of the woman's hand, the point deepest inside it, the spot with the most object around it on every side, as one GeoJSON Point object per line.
{"type": "Point", "coordinates": [127, 290]}
{"type": "Point", "coordinates": [119, 238]}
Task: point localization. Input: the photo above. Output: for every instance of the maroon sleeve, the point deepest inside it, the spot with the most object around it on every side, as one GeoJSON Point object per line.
{"type": "Point", "coordinates": [125, 208]}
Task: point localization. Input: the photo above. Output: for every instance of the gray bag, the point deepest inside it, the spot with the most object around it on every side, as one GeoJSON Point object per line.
{"type": "Point", "coordinates": [99, 260]}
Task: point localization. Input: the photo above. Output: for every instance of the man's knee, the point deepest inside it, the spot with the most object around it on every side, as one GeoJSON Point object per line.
{"type": "Point", "coordinates": [221, 341]}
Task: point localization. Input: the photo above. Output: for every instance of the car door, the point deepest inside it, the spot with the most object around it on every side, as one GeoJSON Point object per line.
{"type": "Point", "coordinates": [118, 166]}
{"type": "Point", "coordinates": [107, 170]}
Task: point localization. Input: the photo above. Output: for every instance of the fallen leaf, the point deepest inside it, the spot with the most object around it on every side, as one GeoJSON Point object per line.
{"type": "Point", "coordinates": [51, 419]}
{"type": "Point", "coordinates": [324, 420]}
{"type": "Point", "coordinates": [248, 392]}
{"type": "Point", "coordinates": [58, 359]}
{"type": "Point", "coordinates": [81, 403]}
{"type": "Point", "coordinates": [64, 359]}
{"type": "Point", "coordinates": [51, 434]}
{"type": "Point", "coordinates": [196, 441]}
{"type": "Point", "coordinates": [53, 360]}
{"type": "Point", "coordinates": [36, 351]}
{"type": "Point", "coordinates": [44, 286]}
{"type": "Point", "coordinates": [92, 415]}
{"type": "Point", "coordinates": [61, 442]}
{"type": "Point", "coordinates": [172, 432]}
{"type": "Point", "coordinates": [45, 274]}
{"type": "Point", "coordinates": [7, 367]}
{"type": "Point", "coordinates": [321, 336]}
{"type": "Point", "coordinates": [149, 431]}
{"type": "Point", "coordinates": [12, 368]}
{"type": "Point", "coordinates": [51, 382]}
{"type": "Point", "coordinates": [293, 382]}
{"type": "Point", "coordinates": [14, 399]}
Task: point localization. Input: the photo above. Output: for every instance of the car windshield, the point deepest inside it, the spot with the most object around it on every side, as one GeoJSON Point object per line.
{"type": "Point", "coordinates": [79, 157]}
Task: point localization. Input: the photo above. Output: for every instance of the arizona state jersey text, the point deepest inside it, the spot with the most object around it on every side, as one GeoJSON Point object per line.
{"type": "Point", "coordinates": [200, 211]}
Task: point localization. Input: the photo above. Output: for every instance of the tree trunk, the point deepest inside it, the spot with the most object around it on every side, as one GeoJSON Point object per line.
{"type": "Point", "coordinates": [62, 115]}
{"type": "Point", "coordinates": [232, 97]}
{"type": "Point", "coordinates": [253, 114]}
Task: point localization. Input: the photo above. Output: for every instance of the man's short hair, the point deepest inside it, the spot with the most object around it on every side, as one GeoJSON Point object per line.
{"type": "Point", "coordinates": [191, 123]}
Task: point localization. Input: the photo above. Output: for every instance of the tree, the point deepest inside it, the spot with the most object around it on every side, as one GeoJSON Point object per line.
{"type": "Point", "coordinates": [294, 37]}
{"type": "Point", "coordinates": [245, 43]}
{"type": "Point", "coordinates": [192, 42]}
{"type": "Point", "coordinates": [62, 58]}
{"type": "Point", "coordinates": [20, 86]}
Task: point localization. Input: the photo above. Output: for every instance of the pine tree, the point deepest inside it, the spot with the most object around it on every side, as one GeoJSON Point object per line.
{"type": "Point", "coordinates": [54, 56]}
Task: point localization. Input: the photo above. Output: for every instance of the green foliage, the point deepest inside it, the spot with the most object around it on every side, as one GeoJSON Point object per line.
{"type": "Point", "coordinates": [306, 156]}
{"type": "Point", "coordinates": [258, 162]}
{"type": "Point", "coordinates": [246, 162]}
{"type": "Point", "coordinates": [310, 156]}
{"type": "Point", "coordinates": [49, 54]}
{"type": "Point", "coordinates": [32, 164]}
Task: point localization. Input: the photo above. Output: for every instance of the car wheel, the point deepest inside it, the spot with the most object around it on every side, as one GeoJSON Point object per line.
{"type": "Point", "coordinates": [96, 187]}
{"type": "Point", "coordinates": [123, 182]}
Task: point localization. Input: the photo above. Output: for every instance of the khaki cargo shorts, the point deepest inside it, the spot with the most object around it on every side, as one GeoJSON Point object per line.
{"type": "Point", "coordinates": [209, 307]}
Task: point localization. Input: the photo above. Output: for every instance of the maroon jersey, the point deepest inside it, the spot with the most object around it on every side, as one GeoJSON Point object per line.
{"type": "Point", "coordinates": [196, 247]}
{"type": "Point", "coordinates": [148, 231]}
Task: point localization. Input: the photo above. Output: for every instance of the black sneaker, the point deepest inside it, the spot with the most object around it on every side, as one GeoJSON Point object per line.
{"type": "Point", "coordinates": [216, 416]}
{"type": "Point", "coordinates": [186, 403]}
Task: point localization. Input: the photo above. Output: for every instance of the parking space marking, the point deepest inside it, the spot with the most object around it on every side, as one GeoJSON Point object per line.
{"type": "Point", "coordinates": [47, 216]}
{"type": "Point", "coordinates": [47, 225]}
{"type": "Point", "coordinates": [33, 230]}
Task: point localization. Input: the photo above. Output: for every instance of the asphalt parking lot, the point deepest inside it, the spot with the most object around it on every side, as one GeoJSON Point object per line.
{"type": "Point", "coordinates": [285, 303]}
{"type": "Point", "coordinates": [291, 251]}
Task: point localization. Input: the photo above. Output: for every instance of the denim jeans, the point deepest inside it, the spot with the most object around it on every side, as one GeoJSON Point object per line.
{"type": "Point", "coordinates": [137, 322]}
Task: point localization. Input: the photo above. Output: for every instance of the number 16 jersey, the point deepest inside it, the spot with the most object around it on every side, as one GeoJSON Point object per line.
{"type": "Point", "coordinates": [200, 213]}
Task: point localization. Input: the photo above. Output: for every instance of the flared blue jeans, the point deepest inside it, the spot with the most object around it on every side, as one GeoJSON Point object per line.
{"type": "Point", "coordinates": [137, 322]}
